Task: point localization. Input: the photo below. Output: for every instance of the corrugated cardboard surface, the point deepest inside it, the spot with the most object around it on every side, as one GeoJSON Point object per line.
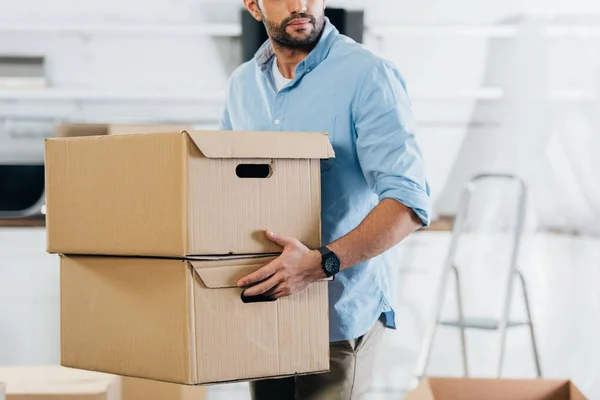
{"type": "Point", "coordinates": [288, 202]}
{"type": "Point", "coordinates": [58, 383]}
{"type": "Point", "coordinates": [159, 195]}
{"type": "Point", "coordinates": [143, 389]}
{"type": "Point", "coordinates": [75, 130]}
{"type": "Point", "coordinates": [119, 194]}
{"type": "Point", "coordinates": [264, 145]}
{"type": "Point", "coordinates": [575, 393]}
{"type": "Point", "coordinates": [158, 319]}
{"type": "Point", "coordinates": [494, 389]}
{"type": "Point", "coordinates": [126, 316]}
{"type": "Point", "coordinates": [285, 337]}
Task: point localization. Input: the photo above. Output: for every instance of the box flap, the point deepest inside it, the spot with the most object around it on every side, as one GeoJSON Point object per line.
{"type": "Point", "coordinates": [254, 144]}
{"type": "Point", "coordinates": [421, 392]}
{"type": "Point", "coordinates": [225, 273]}
{"type": "Point", "coordinates": [575, 394]}
{"type": "Point", "coordinates": [75, 130]}
{"type": "Point", "coordinates": [497, 389]}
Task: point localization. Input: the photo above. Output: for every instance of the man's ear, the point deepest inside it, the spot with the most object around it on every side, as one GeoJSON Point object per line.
{"type": "Point", "coordinates": [252, 7]}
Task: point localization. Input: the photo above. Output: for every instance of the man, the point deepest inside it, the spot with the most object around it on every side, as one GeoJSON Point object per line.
{"type": "Point", "coordinates": [308, 77]}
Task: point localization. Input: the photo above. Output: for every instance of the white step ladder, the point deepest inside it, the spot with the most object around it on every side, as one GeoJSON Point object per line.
{"type": "Point", "coordinates": [488, 324]}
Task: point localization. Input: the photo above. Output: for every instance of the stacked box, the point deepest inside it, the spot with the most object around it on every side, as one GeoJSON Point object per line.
{"type": "Point", "coordinates": [51, 382]}
{"type": "Point", "coordinates": [154, 231]}
{"type": "Point", "coordinates": [439, 388]}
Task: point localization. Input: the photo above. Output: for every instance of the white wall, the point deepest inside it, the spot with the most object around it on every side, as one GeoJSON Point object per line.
{"type": "Point", "coordinates": [454, 55]}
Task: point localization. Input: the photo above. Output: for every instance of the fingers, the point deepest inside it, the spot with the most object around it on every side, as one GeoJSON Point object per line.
{"type": "Point", "coordinates": [259, 275]}
{"type": "Point", "coordinates": [279, 239]}
{"type": "Point", "coordinates": [278, 291]}
{"type": "Point", "coordinates": [263, 287]}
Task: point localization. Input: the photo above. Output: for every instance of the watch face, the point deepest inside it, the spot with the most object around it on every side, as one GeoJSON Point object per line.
{"type": "Point", "coordinates": [332, 264]}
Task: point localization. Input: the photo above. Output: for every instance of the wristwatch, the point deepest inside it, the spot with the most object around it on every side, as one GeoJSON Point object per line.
{"type": "Point", "coordinates": [329, 262]}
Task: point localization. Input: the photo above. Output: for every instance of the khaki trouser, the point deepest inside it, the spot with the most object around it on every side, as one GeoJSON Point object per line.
{"type": "Point", "coordinates": [349, 377]}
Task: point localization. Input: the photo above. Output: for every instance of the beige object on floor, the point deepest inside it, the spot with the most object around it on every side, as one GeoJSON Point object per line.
{"type": "Point", "coordinates": [184, 321]}
{"type": "Point", "coordinates": [495, 389]}
{"type": "Point", "coordinates": [183, 193]}
{"type": "Point", "coordinates": [54, 382]}
{"type": "Point", "coordinates": [58, 383]}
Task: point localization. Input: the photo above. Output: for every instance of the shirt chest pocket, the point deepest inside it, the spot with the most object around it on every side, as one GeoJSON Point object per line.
{"type": "Point", "coordinates": [314, 122]}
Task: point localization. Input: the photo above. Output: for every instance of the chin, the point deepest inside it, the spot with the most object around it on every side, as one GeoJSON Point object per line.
{"type": "Point", "coordinates": [301, 34]}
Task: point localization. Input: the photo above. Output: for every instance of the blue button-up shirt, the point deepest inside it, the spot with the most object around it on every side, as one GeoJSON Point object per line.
{"type": "Point", "coordinates": [361, 101]}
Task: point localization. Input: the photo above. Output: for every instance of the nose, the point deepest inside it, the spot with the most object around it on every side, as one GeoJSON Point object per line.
{"type": "Point", "coordinates": [297, 6]}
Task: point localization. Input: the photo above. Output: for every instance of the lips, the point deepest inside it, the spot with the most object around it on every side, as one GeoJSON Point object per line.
{"type": "Point", "coordinates": [299, 23]}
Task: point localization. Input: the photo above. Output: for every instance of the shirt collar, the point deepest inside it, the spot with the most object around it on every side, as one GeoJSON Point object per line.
{"type": "Point", "coordinates": [319, 53]}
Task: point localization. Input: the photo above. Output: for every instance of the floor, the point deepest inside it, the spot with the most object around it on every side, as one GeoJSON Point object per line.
{"type": "Point", "coordinates": [562, 272]}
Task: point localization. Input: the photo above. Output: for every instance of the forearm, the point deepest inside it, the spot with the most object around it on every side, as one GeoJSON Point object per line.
{"type": "Point", "coordinates": [385, 226]}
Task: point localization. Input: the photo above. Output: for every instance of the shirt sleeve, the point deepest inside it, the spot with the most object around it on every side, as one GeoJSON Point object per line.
{"type": "Point", "coordinates": [387, 150]}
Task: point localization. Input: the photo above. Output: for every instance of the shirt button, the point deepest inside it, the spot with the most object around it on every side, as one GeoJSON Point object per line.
{"type": "Point", "coordinates": [277, 122]}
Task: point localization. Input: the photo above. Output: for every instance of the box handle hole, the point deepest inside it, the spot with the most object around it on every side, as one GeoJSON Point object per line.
{"type": "Point", "coordinates": [260, 171]}
{"type": "Point", "coordinates": [257, 299]}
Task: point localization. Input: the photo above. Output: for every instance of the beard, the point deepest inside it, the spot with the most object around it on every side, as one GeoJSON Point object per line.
{"type": "Point", "coordinates": [278, 33]}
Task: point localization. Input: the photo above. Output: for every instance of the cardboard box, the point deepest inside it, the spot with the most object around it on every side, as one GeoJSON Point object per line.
{"type": "Point", "coordinates": [54, 382]}
{"type": "Point", "coordinates": [179, 194]}
{"type": "Point", "coordinates": [84, 129]}
{"type": "Point", "coordinates": [77, 130]}
{"type": "Point", "coordinates": [144, 389]}
{"type": "Point", "coordinates": [495, 389]}
{"type": "Point", "coordinates": [183, 321]}
{"type": "Point", "coordinates": [125, 129]}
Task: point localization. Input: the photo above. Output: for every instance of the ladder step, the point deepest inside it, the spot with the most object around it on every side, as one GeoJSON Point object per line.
{"type": "Point", "coordinates": [487, 324]}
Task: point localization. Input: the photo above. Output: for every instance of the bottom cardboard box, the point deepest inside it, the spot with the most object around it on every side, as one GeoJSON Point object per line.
{"type": "Point", "coordinates": [495, 389]}
{"type": "Point", "coordinates": [53, 382]}
{"type": "Point", "coordinates": [184, 321]}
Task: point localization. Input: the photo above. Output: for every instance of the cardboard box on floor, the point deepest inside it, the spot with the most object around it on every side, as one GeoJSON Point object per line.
{"type": "Point", "coordinates": [184, 321]}
{"type": "Point", "coordinates": [183, 193]}
{"type": "Point", "coordinates": [495, 389]}
{"type": "Point", "coordinates": [52, 382]}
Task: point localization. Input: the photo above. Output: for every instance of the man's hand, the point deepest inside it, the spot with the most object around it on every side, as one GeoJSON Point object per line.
{"type": "Point", "coordinates": [291, 272]}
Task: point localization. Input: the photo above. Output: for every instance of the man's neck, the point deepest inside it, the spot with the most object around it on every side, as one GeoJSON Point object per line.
{"type": "Point", "coordinates": [288, 59]}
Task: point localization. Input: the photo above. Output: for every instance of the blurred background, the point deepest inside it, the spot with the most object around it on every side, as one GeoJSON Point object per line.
{"type": "Point", "coordinates": [509, 88]}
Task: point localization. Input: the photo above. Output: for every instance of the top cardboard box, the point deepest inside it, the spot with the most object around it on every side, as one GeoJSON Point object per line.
{"type": "Point", "coordinates": [178, 194]}
{"type": "Point", "coordinates": [495, 389]}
